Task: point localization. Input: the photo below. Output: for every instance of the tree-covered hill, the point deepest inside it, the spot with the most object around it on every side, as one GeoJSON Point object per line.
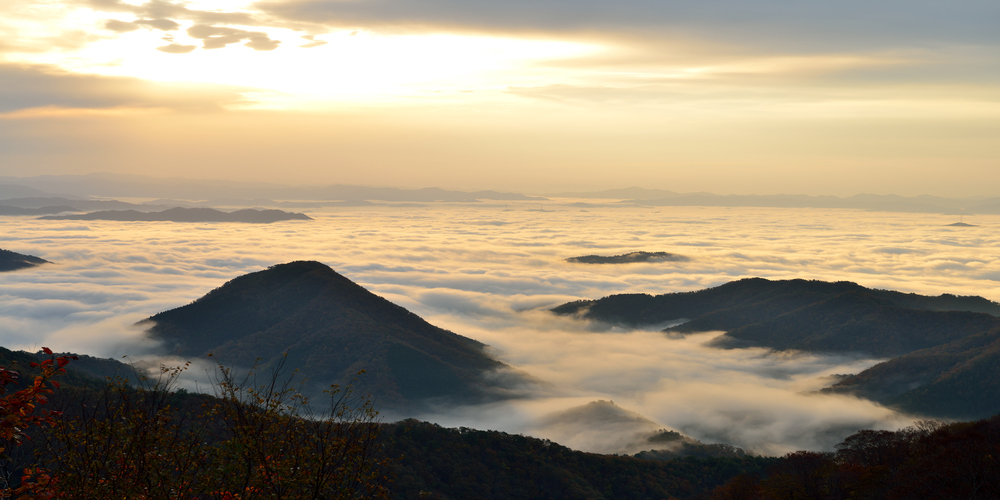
{"type": "Point", "coordinates": [103, 426]}
{"type": "Point", "coordinates": [946, 351]}
{"type": "Point", "coordinates": [960, 379]}
{"type": "Point", "coordinates": [628, 258]}
{"type": "Point", "coordinates": [120, 438]}
{"type": "Point", "coordinates": [856, 322]}
{"type": "Point", "coordinates": [463, 463]}
{"type": "Point", "coordinates": [807, 315]}
{"type": "Point", "coordinates": [930, 460]}
{"type": "Point", "coordinates": [12, 261]}
{"type": "Point", "coordinates": [331, 328]}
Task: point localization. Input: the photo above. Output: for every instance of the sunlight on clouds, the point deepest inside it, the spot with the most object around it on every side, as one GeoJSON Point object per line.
{"type": "Point", "coordinates": [811, 64]}
{"type": "Point", "coordinates": [350, 65]}
{"type": "Point", "coordinates": [490, 272]}
{"type": "Point", "coordinates": [41, 29]}
{"type": "Point", "coordinates": [61, 112]}
{"type": "Point", "coordinates": [220, 5]}
{"type": "Point", "coordinates": [620, 78]}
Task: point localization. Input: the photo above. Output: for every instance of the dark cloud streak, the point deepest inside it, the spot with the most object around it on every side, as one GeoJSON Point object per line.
{"type": "Point", "coordinates": [176, 48]}
{"type": "Point", "coordinates": [217, 37]}
{"type": "Point", "coordinates": [36, 86]}
{"type": "Point", "coordinates": [793, 25]}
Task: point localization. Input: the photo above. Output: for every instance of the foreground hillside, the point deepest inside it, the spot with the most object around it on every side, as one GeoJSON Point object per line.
{"type": "Point", "coordinates": [328, 328]}
{"type": "Point", "coordinates": [120, 441]}
{"type": "Point", "coordinates": [931, 460]}
{"type": "Point", "coordinates": [138, 441]}
{"type": "Point", "coordinates": [440, 463]}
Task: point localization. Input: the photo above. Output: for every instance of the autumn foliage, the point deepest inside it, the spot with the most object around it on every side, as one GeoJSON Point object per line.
{"type": "Point", "coordinates": [929, 460]}
{"type": "Point", "coordinates": [20, 412]}
{"type": "Point", "coordinates": [142, 439]}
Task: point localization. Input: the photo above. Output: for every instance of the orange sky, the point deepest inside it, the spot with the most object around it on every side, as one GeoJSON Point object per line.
{"type": "Point", "coordinates": [723, 95]}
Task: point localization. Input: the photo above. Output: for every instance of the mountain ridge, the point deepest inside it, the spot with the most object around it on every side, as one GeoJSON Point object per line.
{"type": "Point", "coordinates": [799, 314]}
{"type": "Point", "coordinates": [180, 214]}
{"type": "Point", "coordinates": [957, 380]}
{"type": "Point", "coordinates": [331, 328]}
{"type": "Point", "coordinates": [13, 261]}
{"type": "Point", "coordinates": [945, 350]}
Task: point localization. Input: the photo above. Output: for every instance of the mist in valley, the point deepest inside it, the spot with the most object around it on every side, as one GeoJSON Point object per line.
{"type": "Point", "coordinates": [491, 272]}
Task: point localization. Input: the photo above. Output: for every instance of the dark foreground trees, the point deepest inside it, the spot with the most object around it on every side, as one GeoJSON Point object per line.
{"type": "Point", "coordinates": [929, 460]}
{"type": "Point", "coordinates": [20, 415]}
{"type": "Point", "coordinates": [255, 439]}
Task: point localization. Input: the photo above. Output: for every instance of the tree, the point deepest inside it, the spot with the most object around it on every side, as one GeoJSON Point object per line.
{"type": "Point", "coordinates": [143, 440]}
{"type": "Point", "coordinates": [276, 446]}
{"type": "Point", "coordinates": [741, 487]}
{"type": "Point", "coordinates": [19, 415]}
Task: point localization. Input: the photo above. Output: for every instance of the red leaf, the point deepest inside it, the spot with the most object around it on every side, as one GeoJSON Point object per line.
{"type": "Point", "coordinates": [46, 350]}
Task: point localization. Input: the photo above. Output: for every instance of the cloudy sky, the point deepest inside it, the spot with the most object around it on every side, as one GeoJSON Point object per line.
{"type": "Point", "coordinates": [729, 96]}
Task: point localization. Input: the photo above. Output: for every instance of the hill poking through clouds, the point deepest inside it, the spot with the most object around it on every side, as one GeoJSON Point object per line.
{"type": "Point", "coordinates": [331, 329]}
{"type": "Point", "coordinates": [628, 258]}
{"type": "Point", "coordinates": [960, 379]}
{"type": "Point", "coordinates": [803, 315]}
{"type": "Point", "coordinates": [12, 261]}
{"type": "Point", "coordinates": [945, 349]}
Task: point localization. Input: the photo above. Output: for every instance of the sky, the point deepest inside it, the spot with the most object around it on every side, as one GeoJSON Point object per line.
{"type": "Point", "coordinates": [491, 272]}
{"type": "Point", "coordinates": [727, 96]}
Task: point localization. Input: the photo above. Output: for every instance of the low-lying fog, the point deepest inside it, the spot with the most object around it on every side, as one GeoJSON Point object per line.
{"type": "Point", "coordinates": [490, 272]}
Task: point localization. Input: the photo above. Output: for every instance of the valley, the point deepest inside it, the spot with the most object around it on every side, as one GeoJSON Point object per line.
{"type": "Point", "coordinates": [469, 291]}
{"type": "Point", "coordinates": [491, 275]}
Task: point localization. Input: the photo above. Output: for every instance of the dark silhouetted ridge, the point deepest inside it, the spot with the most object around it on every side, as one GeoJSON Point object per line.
{"type": "Point", "coordinates": [331, 328]}
{"type": "Point", "coordinates": [946, 348]}
{"type": "Point", "coordinates": [9, 210]}
{"type": "Point", "coordinates": [960, 379]}
{"type": "Point", "coordinates": [180, 214]}
{"type": "Point", "coordinates": [801, 314]}
{"type": "Point", "coordinates": [12, 261]}
{"type": "Point", "coordinates": [628, 258]}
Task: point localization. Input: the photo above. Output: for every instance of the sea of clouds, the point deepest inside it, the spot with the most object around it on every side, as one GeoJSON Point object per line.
{"type": "Point", "coordinates": [490, 272]}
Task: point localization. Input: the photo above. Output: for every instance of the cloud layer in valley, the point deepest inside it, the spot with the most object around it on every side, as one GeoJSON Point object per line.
{"type": "Point", "coordinates": [490, 273]}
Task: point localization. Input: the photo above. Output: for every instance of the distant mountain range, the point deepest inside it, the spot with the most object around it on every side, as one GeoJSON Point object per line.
{"type": "Point", "coordinates": [12, 261]}
{"type": "Point", "coordinates": [331, 329]}
{"type": "Point", "coordinates": [179, 214]}
{"type": "Point", "coordinates": [9, 210]}
{"type": "Point", "coordinates": [78, 205]}
{"type": "Point", "coordinates": [38, 191]}
{"type": "Point", "coordinates": [138, 186]}
{"type": "Point", "coordinates": [629, 193]}
{"type": "Point", "coordinates": [874, 202]}
{"type": "Point", "coordinates": [19, 191]}
{"type": "Point", "coordinates": [946, 348]}
{"type": "Point", "coordinates": [881, 203]}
